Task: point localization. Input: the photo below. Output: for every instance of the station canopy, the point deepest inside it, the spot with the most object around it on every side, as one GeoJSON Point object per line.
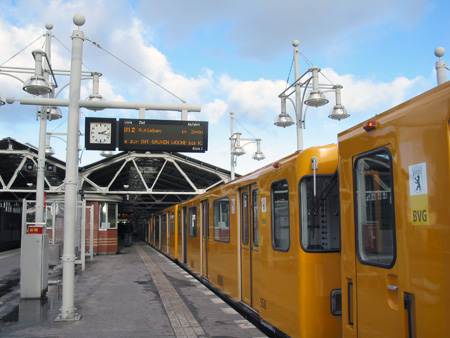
{"type": "Point", "coordinates": [141, 182]}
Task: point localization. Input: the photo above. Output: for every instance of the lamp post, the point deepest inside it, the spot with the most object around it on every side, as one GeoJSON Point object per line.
{"type": "Point", "coordinates": [71, 181]}
{"type": "Point", "coordinates": [316, 98]}
{"type": "Point", "coordinates": [236, 149]}
{"type": "Point", "coordinates": [34, 280]}
{"type": "Point", "coordinates": [441, 67]}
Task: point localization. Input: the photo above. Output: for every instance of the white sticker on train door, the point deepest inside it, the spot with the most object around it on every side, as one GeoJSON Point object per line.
{"type": "Point", "coordinates": [263, 212]}
{"type": "Point", "coordinates": [418, 194]}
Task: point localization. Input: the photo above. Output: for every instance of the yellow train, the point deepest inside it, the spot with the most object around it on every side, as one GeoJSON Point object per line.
{"type": "Point", "coordinates": [343, 240]}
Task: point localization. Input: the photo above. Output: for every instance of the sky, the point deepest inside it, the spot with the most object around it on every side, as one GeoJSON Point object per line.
{"type": "Point", "coordinates": [226, 56]}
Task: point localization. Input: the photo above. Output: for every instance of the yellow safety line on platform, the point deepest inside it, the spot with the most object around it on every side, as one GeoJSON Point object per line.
{"type": "Point", "coordinates": [183, 322]}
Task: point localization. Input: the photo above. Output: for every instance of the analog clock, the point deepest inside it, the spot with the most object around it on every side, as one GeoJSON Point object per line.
{"type": "Point", "coordinates": [100, 133]}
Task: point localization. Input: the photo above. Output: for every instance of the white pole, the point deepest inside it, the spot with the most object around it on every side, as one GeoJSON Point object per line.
{"type": "Point", "coordinates": [231, 144]}
{"type": "Point", "coordinates": [71, 181]}
{"type": "Point", "coordinates": [441, 67]}
{"type": "Point", "coordinates": [40, 207]}
{"type": "Point", "coordinates": [298, 103]}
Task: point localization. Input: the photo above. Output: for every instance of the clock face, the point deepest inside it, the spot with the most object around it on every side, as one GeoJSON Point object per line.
{"type": "Point", "coordinates": [100, 133]}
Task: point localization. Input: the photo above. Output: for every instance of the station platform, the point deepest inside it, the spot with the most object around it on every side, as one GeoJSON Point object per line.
{"type": "Point", "coordinates": [137, 292]}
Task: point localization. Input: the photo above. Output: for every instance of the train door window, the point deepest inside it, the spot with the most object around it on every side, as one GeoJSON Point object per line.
{"type": "Point", "coordinates": [164, 223]}
{"type": "Point", "coordinates": [193, 221]}
{"type": "Point", "coordinates": [280, 215]}
{"type": "Point", "coordinates": [179, 221]}
{"type": "Point", "coordinates": [255, 217]}
{"type": "Point", "coordinates": [319, 213]}
{"type": "Point", "coordinates": [244, 218]}
{"type": "Point", "coordinates": [222, 220]}
{"type": "Point", "coordinates": [172, 222]}
{"type": "Point", "coordinates": [374, 209]}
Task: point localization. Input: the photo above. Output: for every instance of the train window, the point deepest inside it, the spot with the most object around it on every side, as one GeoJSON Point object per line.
{"type": "Point", "coordinates": [244, 218]}
{"type": "Point", "coordinates": [179, 221]}
{"type": "Point", "coordinates": [319, 214]}
{"type": "Point", "coordinates": [164, 216]}
{"type": "Point", "coordinates": [374, 206]}
{"type": "Point", "coordinates": [222, 220]}
{"type": "Point", "coordinates": [255, 217]}
{"type": "Point", "coordinates": [172, 222]}
{"type": "Point", "coordinates": [193, 221]}
{"type": "Point", "coordinates": [280, 215]}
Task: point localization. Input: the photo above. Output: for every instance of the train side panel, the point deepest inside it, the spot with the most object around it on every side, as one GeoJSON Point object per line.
{"type": "Point", "coordinates": [222, 244]}
{"type": "Point", "coordinates": [394, 182]}
{"type": "Point", "coordinates": [192, 239]}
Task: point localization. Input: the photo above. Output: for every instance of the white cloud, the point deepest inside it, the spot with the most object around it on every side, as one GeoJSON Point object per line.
{"type": "Point", "coordinates": [368, 95]}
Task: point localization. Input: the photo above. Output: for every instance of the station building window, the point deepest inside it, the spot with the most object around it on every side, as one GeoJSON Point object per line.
{"type": "Point", "coordinates": [107, 215]}
{"type": "Point", "coordinates": [280, 215]}
{"type": "Point", "coordinates": [374, 204]}
{"type": "Point", "coordinates": [319, 213]}
{"type": "Point", "coordinates": [193, 221]}
{"type": "Point", "coordinates": [222, 220]}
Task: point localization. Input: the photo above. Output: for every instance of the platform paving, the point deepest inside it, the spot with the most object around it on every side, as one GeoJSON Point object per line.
{"type": "Point", "coordinates": [136, 293]}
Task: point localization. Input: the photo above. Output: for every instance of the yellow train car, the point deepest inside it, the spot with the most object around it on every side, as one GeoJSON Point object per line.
{"type": "Point", "coordinates": [271, 241]}
{"type": "Point", "coordinates": [395, 209]}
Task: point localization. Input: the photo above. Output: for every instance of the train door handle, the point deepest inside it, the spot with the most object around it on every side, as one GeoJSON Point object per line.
{"type": "Point", "coordinates": [393, 287]}
{"type": "Point", "coordinates": [350, 301]}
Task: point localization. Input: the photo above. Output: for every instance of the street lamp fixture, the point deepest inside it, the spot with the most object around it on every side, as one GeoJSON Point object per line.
{"type": "Point", "coordinates": [49, 151]}
{"type": "Point", "coordinates": [316, 98]}
{"type": "Point", "coordinates": [106, 153]}
{"type": "Point", "coordinates": [95, 96]}
{"type": "Point", "coordinates": [258, 155]}
{"type": "Point", "coordinates": [37, 84]}
{"type": "Point", "coordinates": [338, 112]}
{"type": "Point", "coordinates": [236, 149]}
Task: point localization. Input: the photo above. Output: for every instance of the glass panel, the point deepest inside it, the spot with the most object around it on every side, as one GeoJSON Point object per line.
{"type": "Point", "coordinates": [244, 218]}
{"type": "Point", "coordinates": [222, 220]}
{"type": "Point", "coordinates": [112, 213]}
{"type": "Point", "coordinates": [193, 221]}
{"type": "Point", "coordinates": [179, 221]}
{"type": "Point", "coordinates": [103, 214]}
{"type": "Point", "coordinates": [255, 218]}
{"type": "Point", "coordinates": [164, 223]}
{"type": "Point", "coordinates": [172, 222]}
{"type": "Point", "coordinates": [375, 222]}
{"type": "Point", "coordinates": [280, 216]}
{"type": "Point", "coordinates": [319, 215]}
{"type": "Point", "coordinates": [205, 219]}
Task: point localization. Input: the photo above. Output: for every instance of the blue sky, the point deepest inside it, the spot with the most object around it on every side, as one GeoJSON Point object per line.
{"type": "Point", "coordinates": [230, 56]}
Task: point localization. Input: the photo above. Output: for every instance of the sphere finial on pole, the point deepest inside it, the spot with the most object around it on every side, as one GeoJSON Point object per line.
{"type": "Point", "coordinates": [439, 52]}
{"type": "Point", "coordinates": [79, 19]}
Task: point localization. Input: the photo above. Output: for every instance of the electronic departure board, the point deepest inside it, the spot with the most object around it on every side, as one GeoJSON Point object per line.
{"type": "Point", "coordinates": [163, 135]}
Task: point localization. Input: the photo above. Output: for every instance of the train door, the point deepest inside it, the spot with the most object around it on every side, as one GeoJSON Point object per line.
{"type": "Point", "coordinates": [205, 237]}
{"type": "Point", "coordinates": [378, 308]}
{"type": "Point", "coordinates": [185, 234]}
{"type": "Point", "coordinates": [249, 239]}
{"type": "Point", "coordinates": [179, 231]}
{"type": "Point", "coordinates": [169, 227]}
{"type": "Point", "coordinates": [157, 232]}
